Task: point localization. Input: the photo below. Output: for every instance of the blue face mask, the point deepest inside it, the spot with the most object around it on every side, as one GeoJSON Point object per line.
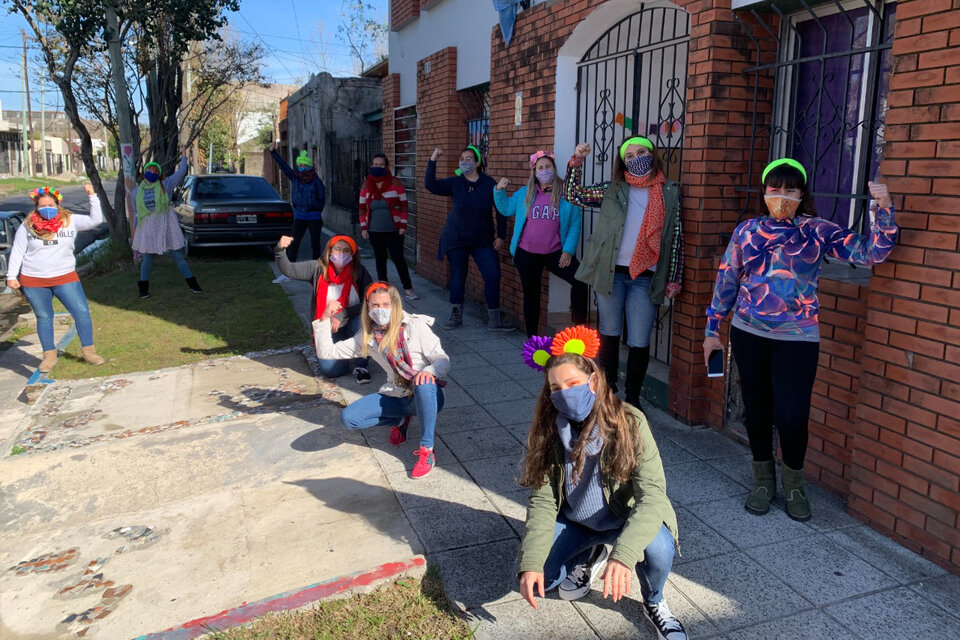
{"type": "Point", "coordinates": [302, 167]}
{"type": "Point", "coordinates": [150, 176]}
{"type": "Point", "coordinates": [48, 213]}
{"type": "Point", "coordinates": [640, 165]}
{"type": "Point", "coordinates": [574, 403]}
{"type": "Point", "coordinates": [378, 172]}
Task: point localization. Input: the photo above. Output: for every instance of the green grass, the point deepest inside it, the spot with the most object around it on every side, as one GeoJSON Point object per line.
{"type": "Point", "coordinates": [26, 184]}
{"type": "Point", "coordinates": [240, 311]}
{"type": "Point", "coordinates": [17, 450]}
{"type": "Point", "coordinates": [18, 332]}
{"type": "Point", "coordinates": [407, 608]}
{"type": "Point", "coordinates": [112, 256]}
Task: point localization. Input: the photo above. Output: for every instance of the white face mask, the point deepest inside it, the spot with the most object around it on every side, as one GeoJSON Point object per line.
{"type": "Point", "coordinates": [381, 316]}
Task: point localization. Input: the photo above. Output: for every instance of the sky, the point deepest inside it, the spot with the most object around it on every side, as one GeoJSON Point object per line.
{"type": "Point", "coordinates": [289, 31]}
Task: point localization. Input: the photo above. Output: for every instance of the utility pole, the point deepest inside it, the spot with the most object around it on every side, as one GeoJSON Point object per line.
{"type": "Point", "coordinates": [43, 131]}
{"type": "Point", "coordinates": [26, 80]}
{"type": "Point", "coordinates": [127, 162]}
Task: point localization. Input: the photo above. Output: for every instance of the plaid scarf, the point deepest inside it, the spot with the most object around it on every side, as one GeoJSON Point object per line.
{"type": "Point", "coordinates": [403, 364]}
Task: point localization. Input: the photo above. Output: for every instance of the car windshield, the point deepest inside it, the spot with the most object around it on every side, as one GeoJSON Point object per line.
{"type": "Point", "coordinates": [234, 188]}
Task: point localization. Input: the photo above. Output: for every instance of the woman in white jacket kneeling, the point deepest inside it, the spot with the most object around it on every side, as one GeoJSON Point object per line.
{"type": "Point", "coordinates": [409, 352]}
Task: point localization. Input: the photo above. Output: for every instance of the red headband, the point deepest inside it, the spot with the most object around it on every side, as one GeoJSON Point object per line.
{"type": "Point", "coordinates": [350, 241]}
{"type": "Point", "coordinates": [376, 286]}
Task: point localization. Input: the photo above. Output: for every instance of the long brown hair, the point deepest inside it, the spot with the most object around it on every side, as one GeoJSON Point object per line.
{"type": "Point", "coordinates": [617, 428]}
{"type": "Point", "coordinates": [620, 167]}
{"type": "Point", "coordinates": [557, 187]}
{"type": "Point", "coordinates": [324, 261]}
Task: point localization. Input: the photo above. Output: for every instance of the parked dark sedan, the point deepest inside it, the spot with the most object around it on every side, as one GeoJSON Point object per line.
{"type": "Point", "coordinates": [9, 222]}
{"type": "Point", "coordinates": [231, 210]}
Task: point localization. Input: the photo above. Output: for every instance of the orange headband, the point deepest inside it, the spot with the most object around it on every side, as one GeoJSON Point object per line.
{"type": "Point", "coordinates": [350, 241]}
{"type": "Point", "coordinates": [376, 286]}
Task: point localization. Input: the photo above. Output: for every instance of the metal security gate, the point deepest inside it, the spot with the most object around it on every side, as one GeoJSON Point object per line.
{"type": "Point", "coordinates": [632, 81]}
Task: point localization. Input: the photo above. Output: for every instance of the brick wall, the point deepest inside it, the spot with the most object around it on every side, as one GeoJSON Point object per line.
{"type": "Point", "coordinates": [391, 99]}
{"type": "Point", "coordinates": [906, 452]}
{"type": "Point", "coordinates": [402, 12]}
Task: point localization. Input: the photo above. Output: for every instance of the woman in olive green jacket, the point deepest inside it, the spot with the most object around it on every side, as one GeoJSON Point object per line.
{"type": "Point", "coordinates": [634, 258]}
{"type": "Point", "coordinates": [596, 479]}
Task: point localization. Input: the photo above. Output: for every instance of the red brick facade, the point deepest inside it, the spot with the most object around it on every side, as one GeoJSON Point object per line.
{"type": "Point", "coordinates": [391, 99]}
{"type": "Point", "coordinates": [402, 12]}
{"type": "Point", "coordinates": [885, 418]}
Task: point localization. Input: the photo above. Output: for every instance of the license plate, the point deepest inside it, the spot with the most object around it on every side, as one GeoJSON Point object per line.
{"type": "Point", "coordinates": [246, 219]}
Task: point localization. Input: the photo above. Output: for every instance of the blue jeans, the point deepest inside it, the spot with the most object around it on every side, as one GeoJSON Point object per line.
{"type": "Point", "coordinates": [572, 544]}
{"type": "Point", "coordinates": [177, 254]}
{"type": "Point", "coordinates": [337, 368]}
{"type": "Point", "coordinates": [73, 298]}
{"type": "Point", "coordinates": [634, 296]}
{"type": "Point", "coordinates": [377, 409]}
{"type": "Point", "coordinates": [488, 262]}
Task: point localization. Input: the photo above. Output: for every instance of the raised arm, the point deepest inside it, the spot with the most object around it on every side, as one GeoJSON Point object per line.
{"type": "Point", "coordinates": [507, 205]}
{"type": "Point", "coordinates": [96, 212]}
{"type": "Point", "coordinates": [304, 270]}
{"type": "Point", "coordinates": [328, 350]}
{"type": "Point", "coordinates": [861, 249]}
{"type": "Point", "coordinates": [169, 184]}
{"type": "Point", "coordinates": [437, 187]}
{"type": "Point", "coordinates": [727, 286]}
{"type": "Point", "coordinates": [287, 171]}
{"type": "Point", "coordinates": [574, 191]}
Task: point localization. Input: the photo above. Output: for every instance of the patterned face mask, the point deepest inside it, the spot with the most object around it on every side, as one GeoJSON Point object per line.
{"type": "Point", "coordinates": [781, 207]}
{"type": "Point", "coordinates": [546, 176]}
{"type": "Point", "coordinates": [467, 166]}
{"type": "Point", "coordinates": [640, 165]}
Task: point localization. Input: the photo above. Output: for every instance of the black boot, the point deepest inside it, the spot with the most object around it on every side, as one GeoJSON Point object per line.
{"type": "Point", "coordinates": [144, 286]}
{"type": "Point", "coordinates": [637, 362]}
{"type": "Point", "coordinates": [194, 285]}
{"type": "Point", "coordinates": [609, 359]}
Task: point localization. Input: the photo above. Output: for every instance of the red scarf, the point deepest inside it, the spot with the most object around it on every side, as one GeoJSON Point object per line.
{"type": "Point", "coordinates": [370, 184]}
{"type": "Point", "coordinates": [43, 228]}
{"type": "Point", "coordinates": [345, 278]}
{"type": "Point", "coordinates": [646, 253]}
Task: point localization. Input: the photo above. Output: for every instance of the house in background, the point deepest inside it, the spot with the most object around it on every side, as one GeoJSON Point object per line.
{"type": "Point", "coordinates": [855, 89]}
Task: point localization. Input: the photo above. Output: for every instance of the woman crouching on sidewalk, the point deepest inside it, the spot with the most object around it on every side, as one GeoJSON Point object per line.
{"type": "Point", "coordinates": [406, 348]}
{"type": "Point", "coordinates": [596, 479]}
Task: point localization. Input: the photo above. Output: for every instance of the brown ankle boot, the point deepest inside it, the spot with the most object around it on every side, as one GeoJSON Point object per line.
{"type": "Point", "coordinates": [90, 355]}
{"type": "Point", "coordinates": [48, 362]}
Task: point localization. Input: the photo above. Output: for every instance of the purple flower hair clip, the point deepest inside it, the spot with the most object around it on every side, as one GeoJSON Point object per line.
{"type": "Point", "coordinates": [536, 352]}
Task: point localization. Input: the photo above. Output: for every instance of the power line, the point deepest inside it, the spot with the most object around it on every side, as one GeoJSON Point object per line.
{"type": "Point", "coordinates": [264, 42]}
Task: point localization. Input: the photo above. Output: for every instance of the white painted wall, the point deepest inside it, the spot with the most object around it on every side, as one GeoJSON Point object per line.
{"type": "Point", "coordinates": [464, 24]}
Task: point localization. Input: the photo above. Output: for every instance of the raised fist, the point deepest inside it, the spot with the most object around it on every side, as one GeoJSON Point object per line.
{"type": "Point", "coordinates": [88, 188]}
{"type": "Point", "coordinates": [436, 154]}
{"type": "Point", "coordinates": [502, 184]}
{"type": "Point", "coordinates": [881, 194]}
{"type": "Point", "coordinates": [284, 242]}
{"type": "Point", "coordinates": [583, 150]}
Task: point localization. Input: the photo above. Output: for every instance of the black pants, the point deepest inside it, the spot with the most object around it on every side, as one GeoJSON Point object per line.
{"type": "Point", "coordinates": [531, 266]}
{"type": "Point", "coordinates": [390, 242]}
{"type": "Point", "coordinates": [316, 238]}
{"type": "Point", "coordinates": [776, 381]}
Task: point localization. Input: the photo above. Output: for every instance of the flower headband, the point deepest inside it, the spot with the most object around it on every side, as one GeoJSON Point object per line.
{"type": "Point", "coordinates": [376, 286]}
{"type": "Point", "coordinates": [541, 154]}
{"type": "Point", "coordinates": [581, 340]}
{"type": "Point", "coordinates": [640, 140]}
{"type": "Point", "coordinates": [36, 194]}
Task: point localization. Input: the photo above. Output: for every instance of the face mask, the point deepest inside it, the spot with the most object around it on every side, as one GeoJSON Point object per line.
{"type": "Point", "coordinates": [574, 403]}
{"type": "Point", "coordinates": [640, 165]}
{"type": "Point", "coordinates": [302, 167]}
{"type": "Point", "coordinates": [781, 207]}
{"type": "Point", "coordinates": [381, 316]}
{"type": "Point", "coordinates": [378, 172]}
{"type": "Point", "coordinates": [48, 213]}
{"type": "Point", "coordinates": [546, 176]}
{"type": "Point", "coordinates": [467, 167]}
{"type": "Point", "coordinates": [340, 260]}
{"type": "Point", "coordinates": [150, 176]}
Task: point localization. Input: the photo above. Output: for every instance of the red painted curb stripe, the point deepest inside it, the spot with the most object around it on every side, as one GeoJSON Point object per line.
{"type": "Point", "coordinates": [282, 602]}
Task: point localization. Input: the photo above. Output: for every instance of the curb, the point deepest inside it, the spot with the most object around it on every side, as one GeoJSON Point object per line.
{"type": "Point", "coordinates": [359, 582]}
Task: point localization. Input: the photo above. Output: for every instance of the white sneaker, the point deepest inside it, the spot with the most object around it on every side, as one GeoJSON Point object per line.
{"type": "Point", "coordinates": [412, 295]}
{"type": "Point", "coordinates": [668, 627]}
{"type": "Point", "coordinates": [578, 582]}
{"type": "Point", "coordinates": [280, 278]}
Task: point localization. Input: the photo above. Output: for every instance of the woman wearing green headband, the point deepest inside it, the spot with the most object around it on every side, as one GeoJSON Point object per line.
{"type": "Point", "coordinates": [634, 259]}
{"type": "Point", "coordinates": [769, 276]}
{"type": "Point", "coordinates": [155, 226]}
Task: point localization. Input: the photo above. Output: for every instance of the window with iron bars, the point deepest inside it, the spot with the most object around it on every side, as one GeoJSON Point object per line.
{"type": "Point", "coordinates": [476, 106]}
{"type": "Point", "coordinates": [828, 102]}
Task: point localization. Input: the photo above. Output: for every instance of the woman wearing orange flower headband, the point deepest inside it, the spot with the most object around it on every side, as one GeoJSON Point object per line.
{"type": "Point", "coordinates": [338, 279]}
{"type": "Point", "coordinates": [634, 259]}
{"type": "Point", "coordinates": [596, 479]}
{"type": "Point", "coordinates": [409, 352]}
{"type": "Point", "coordinates": [42, 255]}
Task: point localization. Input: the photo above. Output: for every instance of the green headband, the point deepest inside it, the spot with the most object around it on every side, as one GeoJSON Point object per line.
{"type": "Point", "coordinates": [153, 164]}
{"type": "Point", "coordinates": [476, 151]}
{"type": "Point", "coordinates": [640, 140]}
{"type": "Point", "coordinates": [790, 162]}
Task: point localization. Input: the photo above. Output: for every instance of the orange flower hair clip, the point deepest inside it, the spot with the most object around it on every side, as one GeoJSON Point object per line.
{"type": "Point", "coordinates": [581, 340]}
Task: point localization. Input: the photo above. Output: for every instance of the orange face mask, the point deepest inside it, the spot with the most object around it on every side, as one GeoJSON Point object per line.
{"type": "Point", "coordinates": [781, 207]}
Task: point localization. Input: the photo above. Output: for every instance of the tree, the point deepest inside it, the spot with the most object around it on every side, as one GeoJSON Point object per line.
{"type": "Point", "coordinates": [363, 32]}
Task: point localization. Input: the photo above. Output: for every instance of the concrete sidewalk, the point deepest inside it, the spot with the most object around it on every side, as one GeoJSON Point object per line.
{"type": "Point", "coordinates": [740, 576]}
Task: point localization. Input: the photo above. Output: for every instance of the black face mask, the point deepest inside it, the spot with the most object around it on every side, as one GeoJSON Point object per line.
{"type": "Point", "coordinates": [378, 172]}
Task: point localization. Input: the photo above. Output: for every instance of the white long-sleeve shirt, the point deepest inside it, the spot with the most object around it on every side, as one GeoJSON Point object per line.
{"type": "Point", "coordinates": [54, 257]}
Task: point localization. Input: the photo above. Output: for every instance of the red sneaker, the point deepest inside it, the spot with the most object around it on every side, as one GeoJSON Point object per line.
{"type": "Point", "coordinates": [398, 434]}
{"type": "Point", "coordinates": [424, 464]}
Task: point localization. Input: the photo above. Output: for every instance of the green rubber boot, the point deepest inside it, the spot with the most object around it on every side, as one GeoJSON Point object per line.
{"type": "Point", "coordinates": [798, 507]}
{"type": "Point", "coordinates": [764, 488]}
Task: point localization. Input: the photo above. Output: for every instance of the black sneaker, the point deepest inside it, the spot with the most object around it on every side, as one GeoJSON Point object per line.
{"type": "Point", "coordinates": [456, 317]}
{"type": "Point", "coordinates": [144, 287]}
{"type": "Point", "coordinates": [668, 627]}
{"type": "Point", "coordinates": [578, 582]}
{"type": "Point", "coordinates": [362, 375]}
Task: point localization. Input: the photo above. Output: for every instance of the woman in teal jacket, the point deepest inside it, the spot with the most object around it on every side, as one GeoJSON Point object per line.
{"type": "Point", "coordinates": [545, 235]}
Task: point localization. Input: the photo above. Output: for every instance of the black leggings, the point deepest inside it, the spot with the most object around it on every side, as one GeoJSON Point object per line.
{"type": "Point", "coordinates": [776, 381]}
{"type": "Point", "coordinates": [531, 266]}
{"type": "Point", "coordinates": [299, 229]}
{"type": "Point", "coordinates": [390, 242]}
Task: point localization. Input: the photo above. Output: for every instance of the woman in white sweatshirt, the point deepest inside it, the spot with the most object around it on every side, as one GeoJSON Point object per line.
{"type": "Point", "coordinates": [42, 257]}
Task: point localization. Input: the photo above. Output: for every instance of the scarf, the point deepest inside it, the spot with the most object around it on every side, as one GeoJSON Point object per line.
{"type": "Point", "coordinates": [401, 361]}
{"type": "Point", "coordinates": [370, 184]}
{"type": "Point", "coordinates": [46, 229]}
{"type": "Point", "coordinates": [568, 438]}
{"type": "Point", "coordinates": [345, 278]}
{"type": "Point", "coordinates": [161, 201]}
{"type": "Point", "coordinates": [307, 176]}
{"type": "Point", "coordinates": [647, 252]}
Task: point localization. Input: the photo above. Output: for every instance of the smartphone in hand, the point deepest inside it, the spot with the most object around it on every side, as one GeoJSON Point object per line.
{"type": "Point", "coordinates": [715, 364]}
